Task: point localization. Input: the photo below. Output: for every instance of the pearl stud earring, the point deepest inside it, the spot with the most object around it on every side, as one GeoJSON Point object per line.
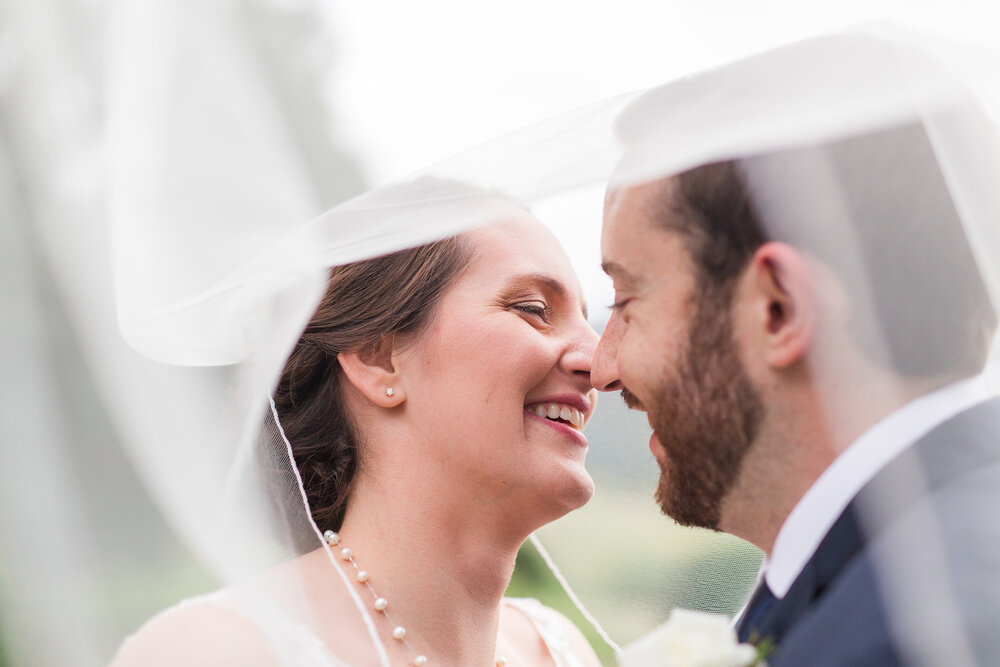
{"type": "Point", "coordinates": [388, 391]}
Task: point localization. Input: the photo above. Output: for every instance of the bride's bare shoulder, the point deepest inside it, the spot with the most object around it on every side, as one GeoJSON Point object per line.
{"type": "Point", "coordinates": [241, 625]}
{"type": "Point", "coordinates": [197, 632]}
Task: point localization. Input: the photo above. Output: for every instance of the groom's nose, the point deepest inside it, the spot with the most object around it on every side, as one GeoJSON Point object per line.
{"type": "Point", "coordinates": [604, 368]}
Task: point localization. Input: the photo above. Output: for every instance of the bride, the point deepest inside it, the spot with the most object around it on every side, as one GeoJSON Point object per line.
{"type": "Point", "coordinates": [434, 406]}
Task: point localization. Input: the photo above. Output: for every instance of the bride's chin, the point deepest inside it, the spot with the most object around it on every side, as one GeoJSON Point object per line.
{"type": "Point", "coordinates": [584, 488]}
{"type": "Point", "coordinates": [572, 492]}
{"type": "Point", "coordinates": [585, 492]}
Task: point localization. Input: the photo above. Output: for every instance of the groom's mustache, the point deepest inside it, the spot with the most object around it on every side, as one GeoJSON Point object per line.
{"type": "Point", "coordinates": [631, 400]}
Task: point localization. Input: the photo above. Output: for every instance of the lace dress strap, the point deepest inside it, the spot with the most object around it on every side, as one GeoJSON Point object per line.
{"type": "Point", "coordinates": [550, 627]}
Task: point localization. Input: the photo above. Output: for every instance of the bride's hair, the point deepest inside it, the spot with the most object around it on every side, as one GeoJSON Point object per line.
{"type": "Point", "coordinates": [364, 303]}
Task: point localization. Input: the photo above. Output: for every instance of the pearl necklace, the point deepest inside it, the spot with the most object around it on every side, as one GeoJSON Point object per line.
{"type": "Point", "coordinates": [380, 604]}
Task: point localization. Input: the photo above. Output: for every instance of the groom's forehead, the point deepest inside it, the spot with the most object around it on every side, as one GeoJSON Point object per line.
{"type": "Point", "coordinates": [641, 209]}
{"type": "Point", "coordinates": [639, 230]}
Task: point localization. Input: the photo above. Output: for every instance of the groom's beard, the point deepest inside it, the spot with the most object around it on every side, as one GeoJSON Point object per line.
{"type": "Point", "coordinates": [706, 415]}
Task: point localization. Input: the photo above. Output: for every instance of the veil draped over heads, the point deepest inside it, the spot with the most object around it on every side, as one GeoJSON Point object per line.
{"type": "Point", "coordinates": [146, 336]}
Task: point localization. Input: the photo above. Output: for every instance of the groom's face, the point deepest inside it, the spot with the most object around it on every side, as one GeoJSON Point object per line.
{"type": "Point", "coordinates": [669, 347]}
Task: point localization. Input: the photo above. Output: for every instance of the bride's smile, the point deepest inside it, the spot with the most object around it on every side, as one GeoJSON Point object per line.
{"type": "Point", "coordinates": [560, 412]}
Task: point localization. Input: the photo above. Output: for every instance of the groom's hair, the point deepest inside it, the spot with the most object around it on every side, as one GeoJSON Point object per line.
{"type": "Point", "coordinates": [877, 210]}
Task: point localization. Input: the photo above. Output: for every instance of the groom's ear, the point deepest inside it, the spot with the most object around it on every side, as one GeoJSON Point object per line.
{"type": "Point", "coordinates": [372, 372]}
{"type": "Point", "coordinates": [782, 300]}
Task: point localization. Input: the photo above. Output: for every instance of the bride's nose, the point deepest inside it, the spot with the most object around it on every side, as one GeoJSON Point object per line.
{"type": "Point", "coordinates": [579, 352]}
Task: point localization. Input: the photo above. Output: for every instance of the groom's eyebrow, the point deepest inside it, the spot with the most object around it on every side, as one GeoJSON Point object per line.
{"type": "Point", "coordinates": [616, 270]}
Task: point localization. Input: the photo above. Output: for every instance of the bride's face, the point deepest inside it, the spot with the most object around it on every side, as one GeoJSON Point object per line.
{"type": "Point", "coordinates": [509, 341]}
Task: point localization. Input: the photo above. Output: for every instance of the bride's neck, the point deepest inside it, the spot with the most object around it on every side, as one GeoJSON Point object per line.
{"type": "Point", "coordinates": [442, 563]}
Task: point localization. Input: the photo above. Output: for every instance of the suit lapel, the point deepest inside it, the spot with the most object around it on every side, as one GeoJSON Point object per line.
{"type": "Point", "coordinates": [957, 447]}
{"type": "Point", "coordinates": [962, 444]}
{"type": "Point", "coordinates": [841, 543]}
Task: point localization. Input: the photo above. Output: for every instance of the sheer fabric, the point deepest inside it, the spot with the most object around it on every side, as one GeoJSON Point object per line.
{"type": "Point", "coordinates": [182, 284]}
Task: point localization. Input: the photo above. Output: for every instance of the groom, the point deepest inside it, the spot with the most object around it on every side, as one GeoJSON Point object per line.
{"type": "Point", "coordinates": [803, 321]}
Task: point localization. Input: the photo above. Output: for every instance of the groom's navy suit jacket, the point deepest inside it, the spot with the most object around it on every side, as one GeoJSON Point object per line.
{"type": "Point", "coordinates": [913, 557]}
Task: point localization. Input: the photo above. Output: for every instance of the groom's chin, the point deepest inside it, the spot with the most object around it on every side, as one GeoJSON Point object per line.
{"type": "Point", "coordinates": [682, 501]}
{"type": "Point", "coordinates": [666, 494]}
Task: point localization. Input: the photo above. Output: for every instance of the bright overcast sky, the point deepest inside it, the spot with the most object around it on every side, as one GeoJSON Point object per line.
{"type": "Point", "coordinates": [418, 81]}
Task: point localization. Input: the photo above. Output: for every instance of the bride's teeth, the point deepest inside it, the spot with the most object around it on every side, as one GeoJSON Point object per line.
{"type": "Point", "coordinates": [554, 411]}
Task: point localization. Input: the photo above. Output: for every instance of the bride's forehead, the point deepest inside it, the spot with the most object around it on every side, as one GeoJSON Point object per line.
{"type": "Point", "coordinates": [521, 244]}
{"type": "Point", "coordinates": [521, 247]}
{"type": "Point", "coordinates": [523, 236]}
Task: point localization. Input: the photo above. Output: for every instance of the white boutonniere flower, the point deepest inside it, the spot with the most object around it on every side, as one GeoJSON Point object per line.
{"type": "Point", "coordinates": [690, 639]}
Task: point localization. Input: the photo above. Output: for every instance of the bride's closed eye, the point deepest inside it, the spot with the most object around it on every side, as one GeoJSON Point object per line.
{"type": "Point", "coordinates": [535, 308]}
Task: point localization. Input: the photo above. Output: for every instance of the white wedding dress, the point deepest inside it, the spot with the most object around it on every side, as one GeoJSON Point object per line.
{"type": "Point", "coordinates": [302, 648]}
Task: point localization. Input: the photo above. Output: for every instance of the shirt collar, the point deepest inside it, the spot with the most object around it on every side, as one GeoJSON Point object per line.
{"type": "Point", "coordinates": [817, 511]}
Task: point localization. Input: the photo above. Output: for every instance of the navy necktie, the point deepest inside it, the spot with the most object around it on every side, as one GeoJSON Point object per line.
{"type": "Point", "coordinates": [757, 610]}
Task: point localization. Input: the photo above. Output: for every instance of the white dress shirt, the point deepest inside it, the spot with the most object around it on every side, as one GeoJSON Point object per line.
{"type": "Point", "coordinates": [817, 511]}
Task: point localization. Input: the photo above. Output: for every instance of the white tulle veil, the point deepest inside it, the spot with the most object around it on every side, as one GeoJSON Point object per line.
{"type": "Point", "coordinates": [159, 286]}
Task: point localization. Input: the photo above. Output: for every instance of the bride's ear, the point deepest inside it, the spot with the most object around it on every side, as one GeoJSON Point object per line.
{"type": "Point", "coordinates": [371, 371]}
